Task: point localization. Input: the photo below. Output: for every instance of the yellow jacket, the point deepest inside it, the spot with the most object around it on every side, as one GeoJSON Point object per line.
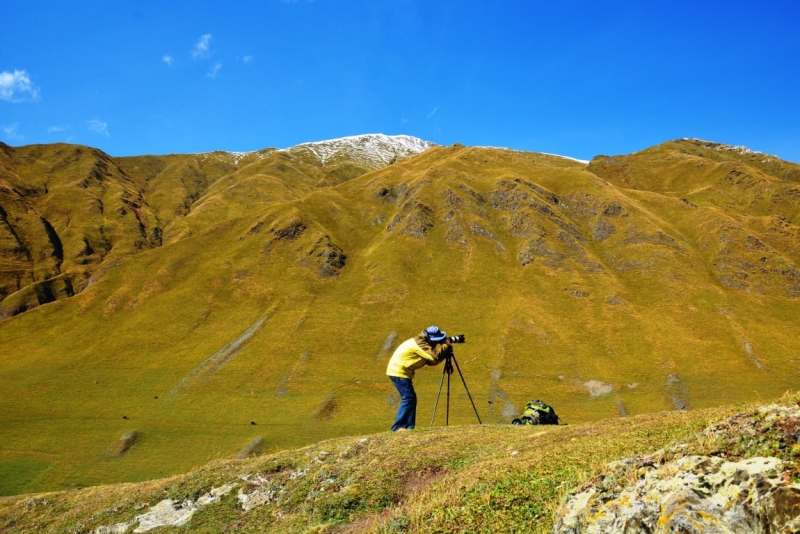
{"type": "Point", "coordinates": [415, 353]}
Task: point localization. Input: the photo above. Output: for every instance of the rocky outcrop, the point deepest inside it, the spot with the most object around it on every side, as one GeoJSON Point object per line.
{"type": "Point", "coordinates": [325, 257]}
{"type": "Point", "coordinates": [746, 482]}
{"type": "Point", "coordinates": [167, 513]}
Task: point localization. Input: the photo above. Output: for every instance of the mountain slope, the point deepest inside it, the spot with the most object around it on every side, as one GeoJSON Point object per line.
{"type": "Point", "coordinates": [748, 202]}
{"type": "Point", "coordinates": [279, 296]}
{"type": "Point", "coordinates": [68, 210]}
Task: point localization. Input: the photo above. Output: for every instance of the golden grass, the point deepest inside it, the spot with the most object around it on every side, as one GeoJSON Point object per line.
{"type": "Point", "coordinates": [459, 479]}
{"type": "Point", "coordinates": [644, 305]}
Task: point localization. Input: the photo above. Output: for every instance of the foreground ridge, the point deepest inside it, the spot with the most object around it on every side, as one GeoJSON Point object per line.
{"type": "Point", "coordinates": [740, 475]}
{"type": "Point", "coordinates": [491, 478]}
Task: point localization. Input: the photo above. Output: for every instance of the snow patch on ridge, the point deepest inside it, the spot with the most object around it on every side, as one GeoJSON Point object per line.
{"type": "Point", "coordinates": [372, 150]}
{"type": "Point", "coordinates": [376, 151]}
{"type": "Point", "coordinates": [584, 161]}
{"type": "Point", "coordinates": [741, 149]}
{"type": "Point", "coordinates": [232, 157]}
{"type": "Point", "coordinates": [236, 157]}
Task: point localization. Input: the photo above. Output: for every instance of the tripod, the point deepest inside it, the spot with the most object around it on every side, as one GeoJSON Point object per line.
{"type": "Point", "coordinates": [448, 370]}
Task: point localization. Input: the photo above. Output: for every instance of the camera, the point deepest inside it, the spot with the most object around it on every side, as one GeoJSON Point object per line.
{"type": "Point", "coordinates": [456, 339]}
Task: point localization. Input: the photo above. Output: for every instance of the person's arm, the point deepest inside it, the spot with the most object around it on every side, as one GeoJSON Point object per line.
{"type": "Point", "coordinates": [430, 359]}
{"type": "Point", "coordinates": [440, 351]}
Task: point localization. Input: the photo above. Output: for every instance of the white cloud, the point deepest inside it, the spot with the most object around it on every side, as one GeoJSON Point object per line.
{"type": "Point", "coordinates": [247, 59]}
{"type": "Point", "coordinates": [203, 47]}
{"type": "Point", "coordinates": [99, 127]}
{"type": "Point", "coordinates": [17, 86]}
{"type": "Point", "coordinates": [166, 58]}
{"type": "Point", "coordinates": [214, 70]}
{"type": "Point", "coordinates": [56, 129]}
{"type": "Point", "coordinates": [432, 113]}
{"type": "Point", "coordinates": [12, 132]}
{"type": "Point", "coordinates": [404, 121]}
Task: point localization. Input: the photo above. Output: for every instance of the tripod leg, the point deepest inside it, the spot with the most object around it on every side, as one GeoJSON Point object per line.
{"type": "Point", "coordinates": [437, 398]}
{"type": "Point", "coordinates": [467, 389]}
{"type": "Point", "coordinates": [447, 416]}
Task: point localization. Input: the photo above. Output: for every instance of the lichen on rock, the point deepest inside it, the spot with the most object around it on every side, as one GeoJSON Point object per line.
{"type": "Point", "coordinates": [747, 482]}
{"type": "Point", "coordinates": [167, 512]}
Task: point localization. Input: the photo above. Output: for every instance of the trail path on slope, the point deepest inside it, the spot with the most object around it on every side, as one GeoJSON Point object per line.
{"type": "Point", "coordinates": [218, 360]}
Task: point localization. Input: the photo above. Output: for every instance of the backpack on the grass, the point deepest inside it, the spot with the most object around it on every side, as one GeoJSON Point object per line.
{"type": "Point", "coordinates": [537, 413]}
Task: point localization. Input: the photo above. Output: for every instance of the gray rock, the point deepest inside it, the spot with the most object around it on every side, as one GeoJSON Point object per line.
{"type": "Point", "coordinates": [693, 493]}
{"type": "Point", "coordinates": [168, 513]}
{"type": "Point", "coordinates": [597, 388]}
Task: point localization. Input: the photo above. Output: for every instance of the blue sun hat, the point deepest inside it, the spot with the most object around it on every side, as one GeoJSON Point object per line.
{"type": "Point", "coordinates": [432, 333]}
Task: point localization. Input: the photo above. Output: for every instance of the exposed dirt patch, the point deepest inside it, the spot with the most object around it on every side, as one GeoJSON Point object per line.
{"type": "Point", "coordinates": [367, 523]}
{"type": "Point", "coordinates": [637, 237]}
{"type": "Point", "coordinates": [126, 442]}
{"type": "Point", "coordinates": [416, 482]}
{"type": "Point", "coordinates": [790, 429]}
{"type": "Point", "coordinates": [498, 399]}
{"type": "Point", "coordinates": [576, 292]}
{"type": "Point", "coordinates": [677, 393]}
{"type": "Point", "coordinates": [384, 296]}
{"type": "Point", "coordinates": [218, 360]}
{"type": "Point", "coordinates": [241, 274]}
{"type": "Point", "coordinates": [616, 300]}
{"type": "Point", "coordinates": [292, 374]}
{"type": "Point", "coordinates": [256, 446]}
{"type": "Point", "coordinates": [326, 409]}
{"type": "Point", "coordinates": [603, 229]}
{"type": "Point", "coordinates": [597, 388]}
{"type": "Point", "coordinates": [391, 341]}
{"type": "Point", "coordinates": [751, 352]}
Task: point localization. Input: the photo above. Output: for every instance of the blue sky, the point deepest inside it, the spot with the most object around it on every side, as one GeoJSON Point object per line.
{"type": "Point", "coordinates": [572, 78]}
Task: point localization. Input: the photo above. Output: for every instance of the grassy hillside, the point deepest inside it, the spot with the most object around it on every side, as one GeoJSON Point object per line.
{"type": "Point", "coordinates": [467, 479]}
{"type": "Point", "coordinates": [666, 279]}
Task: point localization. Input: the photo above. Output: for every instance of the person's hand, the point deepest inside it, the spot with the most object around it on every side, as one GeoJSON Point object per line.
{"type": "Point", "coordinates": [447, 341]}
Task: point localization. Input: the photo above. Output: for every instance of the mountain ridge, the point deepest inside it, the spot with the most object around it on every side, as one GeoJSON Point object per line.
{"type": "Point", "coordinates": [353, 156]}
{"type": "Point", "coordinates": [632, 285]}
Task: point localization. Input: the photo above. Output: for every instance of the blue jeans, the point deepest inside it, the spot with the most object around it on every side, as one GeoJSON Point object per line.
{"type": "Point", "coordinates": [407, 411]}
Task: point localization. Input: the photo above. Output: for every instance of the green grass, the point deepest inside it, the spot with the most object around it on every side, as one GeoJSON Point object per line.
{"type": "Point", "coordinates": [460, 479]}
{"type": "Point", "coordinates": [71, 369]}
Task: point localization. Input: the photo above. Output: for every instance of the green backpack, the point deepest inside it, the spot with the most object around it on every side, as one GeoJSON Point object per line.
{"type": "Point", "coordinates": [537, 413]}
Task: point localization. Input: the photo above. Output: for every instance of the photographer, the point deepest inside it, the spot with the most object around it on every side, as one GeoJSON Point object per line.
{"type": "Point", "coordinates": [428, 348]}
